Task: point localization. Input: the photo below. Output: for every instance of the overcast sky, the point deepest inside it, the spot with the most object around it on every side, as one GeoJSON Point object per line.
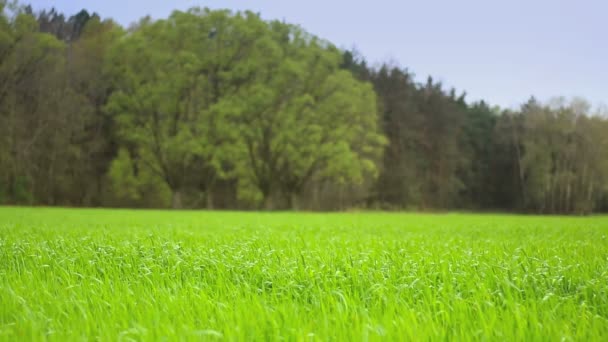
{"type": "Point", "coordinates": [501, 51]}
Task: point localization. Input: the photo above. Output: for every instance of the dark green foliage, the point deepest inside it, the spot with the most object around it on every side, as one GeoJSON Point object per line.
{"type": "Point", "coordinates": [218, 109]}
{"type": "Point", "coordinates": [480, 147]}
{"type": "Point", "coordinates": [446, 154]}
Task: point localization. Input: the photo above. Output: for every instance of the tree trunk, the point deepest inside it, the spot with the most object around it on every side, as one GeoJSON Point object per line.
{"type": "Point", "coordinates": [567, 201]}
{"type": "Point", "coordinates": [589, 207]}
{"type": "Point", "coordinates": [209, 199]}
{"type": "Point", "coordinates": [315, 197]}
{"type": "Point", "coordinates": [176, 199]}
{"type": "Point", "coordinates": [293, 201]}
{"type": "Point", "coordinates": [267, 203]}
{"type": "Point", "coordinates": [519, 161]}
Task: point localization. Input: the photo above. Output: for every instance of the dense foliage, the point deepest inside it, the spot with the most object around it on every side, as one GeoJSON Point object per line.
{"type": "Point", "coordinates": [218, 109]}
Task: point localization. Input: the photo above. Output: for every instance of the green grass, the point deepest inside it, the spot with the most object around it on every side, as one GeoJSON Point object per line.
{"type": "Point", "coordinates": [68, 274]}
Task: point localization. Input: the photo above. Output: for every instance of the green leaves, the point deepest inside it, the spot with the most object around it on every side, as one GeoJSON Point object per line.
{"type": "Point", "coordinates": [564, 156]}
{"type": "Point", "coordinates": [229, 95]}
{"type": "Point", "coordinates": [306, 119]}
{"type": "Point", "coordinates": [121, 174]}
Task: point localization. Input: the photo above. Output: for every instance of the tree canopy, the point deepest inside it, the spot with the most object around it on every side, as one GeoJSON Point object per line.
{"type": "Point", "coordinates": [221, 109]}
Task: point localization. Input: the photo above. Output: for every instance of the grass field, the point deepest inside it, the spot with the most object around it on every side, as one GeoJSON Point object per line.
{"type": "Point", "coordinates": [68, 274]}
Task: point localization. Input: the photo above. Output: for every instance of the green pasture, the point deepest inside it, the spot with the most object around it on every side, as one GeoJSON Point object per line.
{"type": "Point", "coordinates": [123, 275]}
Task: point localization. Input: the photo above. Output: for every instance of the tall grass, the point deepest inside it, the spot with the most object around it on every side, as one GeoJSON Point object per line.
{"type": "Point", "coordinates": [152, 275]}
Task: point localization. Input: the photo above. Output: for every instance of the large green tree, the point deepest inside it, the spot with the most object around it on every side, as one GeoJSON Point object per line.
{"type": "Point", "coordinates": [304, 119]}
{"type": "Point", "coordinates": [176, 79]}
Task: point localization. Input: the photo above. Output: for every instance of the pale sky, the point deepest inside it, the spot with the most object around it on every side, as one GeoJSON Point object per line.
{"type": "Point", "coordinates": [501, 51]}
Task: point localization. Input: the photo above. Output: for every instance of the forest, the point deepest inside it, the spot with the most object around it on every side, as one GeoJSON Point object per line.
{"type": "Point", "coordinates": [218, 109]}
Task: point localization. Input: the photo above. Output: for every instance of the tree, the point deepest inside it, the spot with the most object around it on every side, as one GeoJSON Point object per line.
{"type": "Point", "coordinates": [506, 172]}
{"type": "Point", "coordinates": [88, 76]}
{"type": "Point", "coordinates": [563, 157]}
{"type": "Point", "coordinates": [36, 118]}
{"type": "Point", "coordinates": [399, 183]}
{"type": "Point", "coordinates": [175, 80]}
{"type": "Point", "coordinates": [132, 185]}
{"type": "Point", "coordinates": [304, 119]}
{"type": "Point", "coordinates": [479, 146]}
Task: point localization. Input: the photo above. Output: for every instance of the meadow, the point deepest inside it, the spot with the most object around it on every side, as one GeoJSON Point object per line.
{"type": "Point", "coordinates": [123, 275]}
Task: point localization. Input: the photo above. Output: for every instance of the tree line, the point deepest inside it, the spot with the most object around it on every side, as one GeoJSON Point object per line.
{"type": "Point", "coordinates": [220, 109]}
